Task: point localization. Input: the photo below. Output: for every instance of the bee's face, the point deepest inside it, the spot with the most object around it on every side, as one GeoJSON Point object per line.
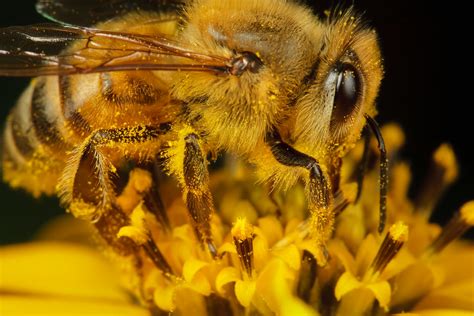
{"type": "Point", "coordinates": [341, 88]}
{"type": "Point", "coordinates": [320, 76]}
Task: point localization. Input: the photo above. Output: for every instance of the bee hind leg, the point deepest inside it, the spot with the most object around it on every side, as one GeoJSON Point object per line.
{"type": "Point", "coordinates": [318, 190]}
{"type": "Point", "coordinates": [86, 187]}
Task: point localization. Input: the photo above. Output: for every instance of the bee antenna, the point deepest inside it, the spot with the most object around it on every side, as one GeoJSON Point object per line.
{"type": "Point", "coordinates": [374, 127]}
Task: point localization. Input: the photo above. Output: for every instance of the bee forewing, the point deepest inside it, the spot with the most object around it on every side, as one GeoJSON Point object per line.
{"type": "Point", "coordinates": [50, 49]}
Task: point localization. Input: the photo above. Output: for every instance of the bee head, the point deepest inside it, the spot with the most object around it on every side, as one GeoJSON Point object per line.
{"type": "Point", "coordinates": [340, 88]}
{"type": "Point", "coordinates": [268, 44]}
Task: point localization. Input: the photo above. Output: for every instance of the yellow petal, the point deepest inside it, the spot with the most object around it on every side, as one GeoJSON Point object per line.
{"type": "Point", "coordinates": [260, 252]}
{"type": "Point", "coordinates": [66, 306]}
{"type": "Point", "coordinates": [411, 284]}
{"type": "Point", "coordinates": [382, 293]}
{"type": "Point", "coordinates": [226, 276]}
{"type": "Point", "coordinates": [271, 227]}
{"type": "Point", "coordinates": [244, 291]}
{"type": "Point", "coordinates": [290, 255]}
{"type": "Point", "coordinates": [200, 284]}
{"type": "Point", "coordinates": [184, 233]}
{"type": "Point", "coordinates": [356, 302]}
{"type": "Point", "coordinates": [227, 247]}
{"type": "Point", "coordinates": [196, 281]}
{"type": "Point", "coordinates": [189, 302]}
{"type": "Point", "coordinates": [340, 251]}
{"type": "Point", "coordinates": [163, 297]}
{"type": "Point", "coordinates": [443, 312]}
{"type": "Point", "coordinates": [274, 286]}
{"type": "Point", "coordinates": [66, 228]}
{"type": "Point", "coordinates": [366, 253]}
{"type": "Point", "coordinates": [346, 283]}
{"type": "Point", "coordinates": [191, 267]}
{"type": "Point", "coordinates": [53, 268]}
{"type": "Point", "coordinates": [403, 260]}
{"type": "Point", "coordinates": [455, 296]}
{"type": "Point", "coordinates": [457, 259]}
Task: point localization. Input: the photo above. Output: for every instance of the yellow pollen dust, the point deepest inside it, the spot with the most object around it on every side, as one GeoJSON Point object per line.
{"type": "Point", "coordinates": [242, 229]}
{"type": "Point", "coordinates": [399, 232]}
{"type": "Point", "coordinates": [444, 157]}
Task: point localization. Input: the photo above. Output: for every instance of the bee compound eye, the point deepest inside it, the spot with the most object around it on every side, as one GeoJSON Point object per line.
{"type": "Point", "coordinates": [347, 92]}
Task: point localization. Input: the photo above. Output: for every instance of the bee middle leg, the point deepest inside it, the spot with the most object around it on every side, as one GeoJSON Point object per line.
{"type": "Point", "coordinates": [197, 195]}
{"type": "Point", "coordinates": [318, 189]}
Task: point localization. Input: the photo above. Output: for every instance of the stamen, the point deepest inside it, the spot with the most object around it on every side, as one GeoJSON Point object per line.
{"type": "Point", "coordinates": [456, 227]}
{"type": "Point", "coordinates": [243, 235]}
{"type": "Point", "coordinates": [393, 242]}
{"type": "Point", "coordinates": [139, 233]}
{"type": "Point", "coordinates": [442, 173]}
{"type": "Point", "coordinates": [157, 257]}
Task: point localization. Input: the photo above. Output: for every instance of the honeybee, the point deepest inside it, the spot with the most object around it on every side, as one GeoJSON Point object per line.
{"type": "Point", "coordinates": [172, 82]}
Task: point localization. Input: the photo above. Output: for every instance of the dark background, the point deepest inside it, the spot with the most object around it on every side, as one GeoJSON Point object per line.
{"type": "Point", "coordinates": [424, 90]}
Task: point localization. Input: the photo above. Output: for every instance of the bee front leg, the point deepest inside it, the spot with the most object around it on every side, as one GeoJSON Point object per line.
{"type": "Point", "coordinates": [196, 193]}
{"type": "Point", "coordinates": [318, 190]}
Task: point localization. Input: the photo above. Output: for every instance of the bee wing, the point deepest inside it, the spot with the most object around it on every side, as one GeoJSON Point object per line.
{"type": "Point", "coordinates": [48, 49]}
{"type": "Point", "coordinates": [90, 12]}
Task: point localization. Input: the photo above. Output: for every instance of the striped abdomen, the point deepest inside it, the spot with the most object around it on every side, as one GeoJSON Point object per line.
{"type": "Point", "coordinates": [56, 114]}
{"type": "Point", "coordinates": [34, 145]}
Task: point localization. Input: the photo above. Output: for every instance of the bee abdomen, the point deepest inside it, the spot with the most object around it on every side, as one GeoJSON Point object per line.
{"type": "Point", "coordinates": [32, 138]}
{"type": "Point", "coordinates": [45, 115]}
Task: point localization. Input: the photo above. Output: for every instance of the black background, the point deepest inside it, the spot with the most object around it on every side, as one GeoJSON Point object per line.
{"type": "Point", "coordinates": [425, 55]}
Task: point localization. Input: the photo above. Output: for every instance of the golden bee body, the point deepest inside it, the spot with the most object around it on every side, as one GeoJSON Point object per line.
{"type": "Point", "coordinates": [264, 80]}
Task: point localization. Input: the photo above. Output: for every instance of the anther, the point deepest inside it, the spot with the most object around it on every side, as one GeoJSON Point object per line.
{"type": "Point", "coordinates": [456, 227]}
{"type": "Point", "coordinates": [442, 173]}
{"type": "Point", "coordinates": [391, 245]}
{"type": "Point", "coordinates": [243, 235]}
{"type": "Point", "coordinates": [157, 257]}
{"type": "Point", "coordinates": [139, 234]}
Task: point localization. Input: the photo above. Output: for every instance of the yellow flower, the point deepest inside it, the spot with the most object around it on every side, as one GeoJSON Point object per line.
{"type": "Point", "coordinates": [266, 260]}
{"type": "Point", "coordinates": [54, 278]}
